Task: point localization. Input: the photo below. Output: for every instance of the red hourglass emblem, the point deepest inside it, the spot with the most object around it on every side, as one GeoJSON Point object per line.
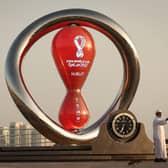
{"type": "Point", "coordinates": [73, 51]}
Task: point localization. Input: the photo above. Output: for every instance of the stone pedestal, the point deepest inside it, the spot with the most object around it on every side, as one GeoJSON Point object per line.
{"type": "Point", "coordinates": [103, 148]}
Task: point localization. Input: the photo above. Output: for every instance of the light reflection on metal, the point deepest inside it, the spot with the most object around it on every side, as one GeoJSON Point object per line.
{"type": "Point", "coordinates": [22, 97]}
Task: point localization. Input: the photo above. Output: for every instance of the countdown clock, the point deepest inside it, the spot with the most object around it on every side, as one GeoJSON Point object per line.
{"type": "Point", "coordinates": [122, 126]}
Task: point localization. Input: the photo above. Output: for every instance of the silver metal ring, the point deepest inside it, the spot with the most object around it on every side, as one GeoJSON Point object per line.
{"type": "Point", "coordinates": [22, 97]}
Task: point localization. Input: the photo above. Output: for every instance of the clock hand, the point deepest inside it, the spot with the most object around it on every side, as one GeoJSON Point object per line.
{"type": "Point", "coordinates": [122, 129]}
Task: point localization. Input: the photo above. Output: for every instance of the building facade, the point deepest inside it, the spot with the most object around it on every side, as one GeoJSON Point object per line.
{"type": "Point", "coordinates": [20, 134]}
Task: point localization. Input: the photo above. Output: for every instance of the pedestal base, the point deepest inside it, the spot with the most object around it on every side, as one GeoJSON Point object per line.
{"type": "Point", "coordinates": [104, 148]}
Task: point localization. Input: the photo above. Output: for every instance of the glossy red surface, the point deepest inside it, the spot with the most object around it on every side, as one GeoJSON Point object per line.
{"type": "Point", "coordinates": [73, 52]}
{"type": "Point", "coordinates": [72, 68]}
{"type": "Point", "coordinates": [74, 113]}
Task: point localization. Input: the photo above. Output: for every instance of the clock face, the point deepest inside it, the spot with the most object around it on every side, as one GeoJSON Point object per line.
{"type": "Point", "coordinates": [122, 126]}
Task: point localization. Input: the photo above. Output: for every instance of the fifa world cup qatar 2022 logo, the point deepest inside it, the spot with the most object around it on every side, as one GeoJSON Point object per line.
{"type": "Point", "coordinates": [73, 51]}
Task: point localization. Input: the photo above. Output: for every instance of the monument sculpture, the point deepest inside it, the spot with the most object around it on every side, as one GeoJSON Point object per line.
{"type": "Point", "coordinates": [117, 133]}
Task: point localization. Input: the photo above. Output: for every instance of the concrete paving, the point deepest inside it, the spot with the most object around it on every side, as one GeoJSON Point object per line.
{"type": "Point", "coordinates": [99, 164]}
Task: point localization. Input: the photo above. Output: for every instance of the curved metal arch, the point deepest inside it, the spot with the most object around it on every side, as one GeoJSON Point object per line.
{"type": "Point", "coordinates": [23, 99]}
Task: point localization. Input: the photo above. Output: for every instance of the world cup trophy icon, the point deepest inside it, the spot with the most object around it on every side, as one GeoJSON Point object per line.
{"type": "Point", "coordinates": [73, 51]}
